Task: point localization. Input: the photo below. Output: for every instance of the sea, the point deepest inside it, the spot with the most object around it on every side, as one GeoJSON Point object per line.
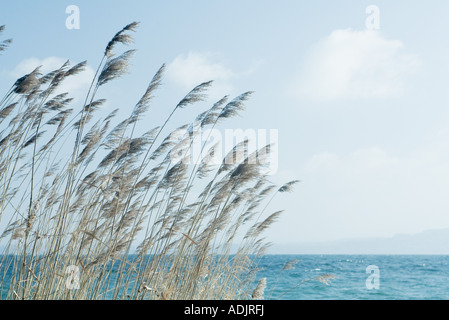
{"type": "Point", "coordinates": [356, 277]}
{"type": "Point", "coordinates": [353, 277]}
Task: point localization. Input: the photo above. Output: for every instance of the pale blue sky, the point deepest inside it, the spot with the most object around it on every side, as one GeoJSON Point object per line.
{"type": "Point", "coordinates": [363, 116]}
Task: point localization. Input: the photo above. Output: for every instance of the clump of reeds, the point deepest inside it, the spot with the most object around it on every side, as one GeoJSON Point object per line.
{"type": "Point", "coordinates": [79, 190]}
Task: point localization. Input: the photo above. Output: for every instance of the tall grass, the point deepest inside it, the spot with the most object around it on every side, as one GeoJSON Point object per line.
{"type": "Point", "coordinates": [93, 210]}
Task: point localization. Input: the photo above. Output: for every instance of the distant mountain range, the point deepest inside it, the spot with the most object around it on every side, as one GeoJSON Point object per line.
{"type": "Point", "coordinates": [427, 242]}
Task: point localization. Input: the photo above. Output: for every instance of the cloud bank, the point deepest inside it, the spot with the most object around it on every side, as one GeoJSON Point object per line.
{"type": "Point", "coordinates": [191, 69]}
{"type": "Point", "coordinates": [351, 64]}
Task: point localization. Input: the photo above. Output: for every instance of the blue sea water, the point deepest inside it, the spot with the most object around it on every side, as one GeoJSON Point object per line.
{"type": "Point", "coordinates": [399, 277]}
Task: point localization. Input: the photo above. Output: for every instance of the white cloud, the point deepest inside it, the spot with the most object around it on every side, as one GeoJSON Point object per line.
{"type": "Point", "coordinates": [76, 85]}
{"type": "Point", "coordinates": [354, 64]}
{"type": "Point", "coordinates": [190, 70]}
{"type": "Point", "coordinates": [26, 66]}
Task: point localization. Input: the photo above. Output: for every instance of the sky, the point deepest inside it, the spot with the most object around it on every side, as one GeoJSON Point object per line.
{"type": "Point", "coordinates": [356, 91]}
